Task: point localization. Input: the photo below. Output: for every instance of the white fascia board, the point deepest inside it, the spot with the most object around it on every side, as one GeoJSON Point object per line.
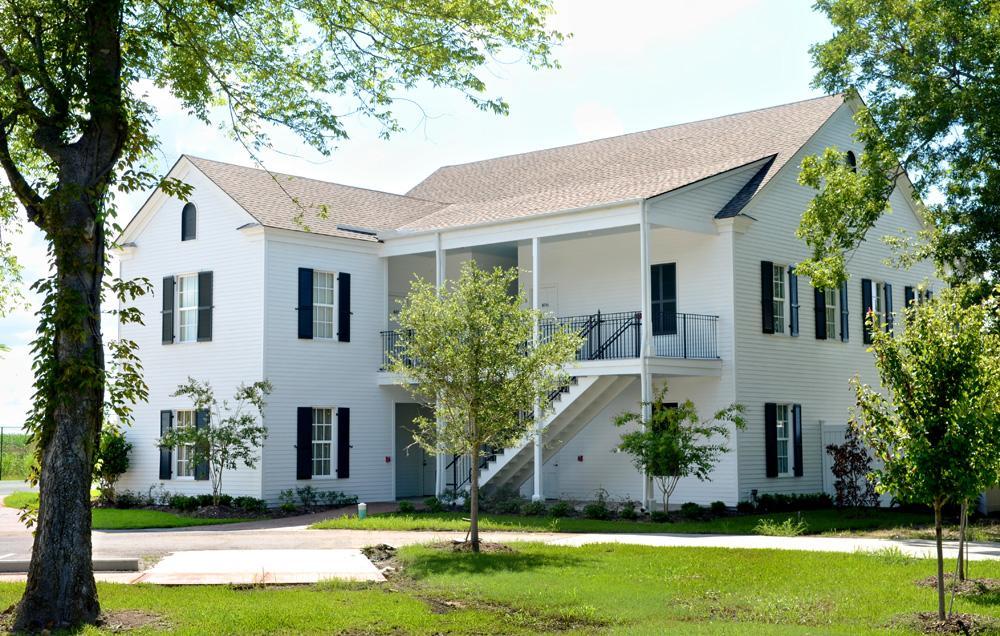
{"type": "Point", "coordinates": [294, 237]}
{"type": "Point", "coordinates": [148, 209]}
{"type": "Point", "coordinates": [559, 223]}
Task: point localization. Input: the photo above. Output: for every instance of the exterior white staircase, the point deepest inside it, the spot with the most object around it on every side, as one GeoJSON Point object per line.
{"type": "Point", "coordinates": [572, 410]}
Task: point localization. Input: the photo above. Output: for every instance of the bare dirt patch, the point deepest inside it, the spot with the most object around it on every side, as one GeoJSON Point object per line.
{"type": "Point", "coordinates": [968, 587]}
{"type": "Point", "coordinates": [485, 547]}
{"type": "Point", "coordinates": [128, 619]}
{"type": "Point", "coordinates": [969, 624]}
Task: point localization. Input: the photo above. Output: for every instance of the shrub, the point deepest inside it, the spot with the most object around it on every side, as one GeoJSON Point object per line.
{"type": "Point", "coordinates": [406, 507]}
{"type": "Point", "coordinates": [691, 510]}
{"type": "Point", "coordinates": [744, 507]}
{"type": "Point", "coordinates": [452, 498]}
{"type": "Point", "coordinates": [502, 501]}
{"type": "Point", "coordinates": [183, 503]}
{"type": "Point", "coordinates": [629, 510]}
{"type": "Point", "coordinates": [433, 504]}
{"type": "Point", "coordinates": [597, 509]}
{"type": "Point", "coordinates": [205, 500]}
{"type": "Point", "coordinates": [337, 499]}
{"type": "Point", "coordinates": [128, 499]}
{"type": "Point", "coordinates": [308, 496]}
{"type": "Point", "coordinates": [251, 505]}
{"type": "Point", "coordinates": [533, 508]}
{"type": "Point", "coordinates": [788, 528]}
{"type": "Point", "coordinates": [560, 509]}
{"type": "Point", "coordinates": [659, 516]}
{"type": "Point", "coordinates": [719, 508]}
{"type": "Point", "coordinates": [286, 500]}
{"type": "Point", "coordinates": [851, 465]}
{"type": "Point", "coordinates": [226, 501]}
{"type": "Point", "coordinates": [111, 461]}
{"type": "Point", "coordinates": [793, 503]}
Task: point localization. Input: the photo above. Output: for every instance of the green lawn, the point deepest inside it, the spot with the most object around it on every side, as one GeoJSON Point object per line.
{"type": "Point", "coordinates": [115, 519]}
{"type": "Point", "coordinates": [594, 589]}
{"type": "Point", "coordinates": [819, 522]}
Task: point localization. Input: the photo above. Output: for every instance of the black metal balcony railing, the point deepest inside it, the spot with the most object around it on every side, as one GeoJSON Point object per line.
{"type": "Point", "coordinates": [615, 336]}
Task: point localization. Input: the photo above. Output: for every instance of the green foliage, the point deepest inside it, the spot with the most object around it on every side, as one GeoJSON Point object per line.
{"type": "Point", "coordinates": [674, 442]}
{"type": "Point", "coordinates": [786, 528]}
{"type": "Point", "coordinates": [533, 508]}
{"type": "Point", "coordinates": [286, 499]}
{"type": "Point", "coordinates": [561, 509]}
{"type": "Point", "coordinates": [719, 508]}
{"type": "Point", "coordinates": [691, 510]}
{"type": "Point", "coordinates": [477, 365]}
{"type": "Point", "coordinates": [18, 456]}
{"type": "Point", "coordinates": [629, 510]}
{"type": "Point", "coordinates": [659, 516]}
{"type": "Point", "coordinates": [935, 421]}
{"type": "Point", "coordinates": [308, 496]}
{"type": "Point", "coordinates": [598, 508]}
{"type": "Point", "coordinates": [111, 461]}
{"type": "Point", "coordinates": [925, 68]}
{"type": "Point", "coordinates": [233, 435]}
{"type": "Point", "coordinates": [251, 505]}
{"type": "Point", "coordinates": [184, 503]}
{"type": "Point", "coordinates": [433, 504]}
{"type": "Point", "coordinates": [794, 502]}
{"type": "Point", "coordinates": [406, 507]}
{"type": "Point", "coordinates": [851, 465]}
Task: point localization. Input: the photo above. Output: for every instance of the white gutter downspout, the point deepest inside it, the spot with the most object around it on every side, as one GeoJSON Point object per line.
{"type": "Point", "coordinates": [536, 337]}
{"type": "Point", "coordinates": [441, 482]}
{"type": "Point", "coordinates": [646, 337]}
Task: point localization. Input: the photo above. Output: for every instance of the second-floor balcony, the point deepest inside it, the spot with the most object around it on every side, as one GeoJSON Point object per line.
{"type": "Point", "coordinates": [618, 336]}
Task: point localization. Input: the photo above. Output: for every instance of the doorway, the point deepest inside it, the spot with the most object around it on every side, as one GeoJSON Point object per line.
{"type": "Point", "coordinates": [414, 466]}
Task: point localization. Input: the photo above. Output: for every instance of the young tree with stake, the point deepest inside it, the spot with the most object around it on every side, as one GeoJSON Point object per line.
{"type": "Point", "coordinates": [231, 437]}
{"type": "Point", "coordinates": [675, 443]}
{"type": "Point", "coordinates": [467, 351]}
{"type": "Point", "coordinates": [936, 424]}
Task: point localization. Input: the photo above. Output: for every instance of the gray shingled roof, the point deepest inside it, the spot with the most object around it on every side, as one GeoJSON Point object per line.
{"type": "Point", "coordinates": [297, 203]}
{"type": "Point", "coordinates": [605, 171]}
{"type": "Point", "coordinates": [627, 167]}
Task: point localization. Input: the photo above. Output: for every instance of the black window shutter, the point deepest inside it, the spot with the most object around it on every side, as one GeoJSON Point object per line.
{"type": "Point", "coordinates": [201, 421]}
{"type": "Point", "coordinates": [820, 296]}
{"type": "Point", "coordinates": [797, 437]}
{"type": "Point", "coordinates": [771, 439]}
{"type": "Point", "coordinates": [343, 443]}
{"type": "Point", "coordinates": [303, 443]}
{"type": "Point", "coordinates": [866, 306]}
{"type": "Point", "coordinates": [166, 454]}
{"type": "Point", "coordinates": [344, 307]}
{"type": "Point", "coordinates": [168, 310]}
{"type": "Point", "coordinates": [909, 297]}
{"type": "Point", "coordinates": [189, 222]}
{"type": "Point", "coordinates": [888, 306]}
{"type": "Point", "coordinates": [767, 296]}
{"type": "Point", "coordinates": [306, 307]}
{"type": "Point", "coordinates": [204, 306]}
{"type": "Point", "coordinates": [793, 301]}
{"type": "Point", "coordinates": [844, 314]}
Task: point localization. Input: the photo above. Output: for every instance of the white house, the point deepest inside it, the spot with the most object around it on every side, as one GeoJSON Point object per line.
{"type": "Point", "coordinates": [296, 280]}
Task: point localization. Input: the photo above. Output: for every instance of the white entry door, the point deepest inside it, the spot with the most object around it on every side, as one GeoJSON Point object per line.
{"type": "Point", "coordinates": [548, 300]}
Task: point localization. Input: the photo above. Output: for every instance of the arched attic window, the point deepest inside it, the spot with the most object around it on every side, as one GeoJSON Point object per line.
{"type": "Point", "coordinates": [852, 161]}
{"type": "Point", "coordinates": [189, 222]}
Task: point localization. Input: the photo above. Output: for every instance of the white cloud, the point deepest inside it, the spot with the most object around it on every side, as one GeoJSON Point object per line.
{"type": "Point", "coordinates": [593, 120]}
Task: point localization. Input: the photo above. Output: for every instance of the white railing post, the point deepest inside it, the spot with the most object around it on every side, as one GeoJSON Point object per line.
{"type": "Point", "coordinates": [537, 495]}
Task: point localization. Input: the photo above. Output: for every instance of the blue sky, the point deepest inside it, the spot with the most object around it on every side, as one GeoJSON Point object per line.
{"type": "Point", "coordinates": [632, 65]}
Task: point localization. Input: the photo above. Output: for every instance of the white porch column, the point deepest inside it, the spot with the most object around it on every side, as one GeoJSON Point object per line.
{"type": "Point", "coordinates": [645, 343]}
{"type": "Point", "coordinates": [440, 460]}
{"type": "Point", "coordinates": [535, 267]}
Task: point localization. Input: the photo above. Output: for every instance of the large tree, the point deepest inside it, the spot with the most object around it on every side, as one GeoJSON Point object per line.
{"type": "Point", "coordinates": [75, 129]}
{"type": "Point", "coordinates": [926, 70]}
{"type": "Point", "coordinates": [468, 351]}
{"type": "Point", "coordinates": [935, 421]}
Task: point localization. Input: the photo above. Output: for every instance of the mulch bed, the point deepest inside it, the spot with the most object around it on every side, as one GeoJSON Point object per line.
{"type": "Point", "coordinates": [928, 623]}
{"type": "Point", "coordinates": [128, 620]}
{"type": "Point", "coordinates": [968, 587]}
{"type": "Point", "coordinates": [485, 547]}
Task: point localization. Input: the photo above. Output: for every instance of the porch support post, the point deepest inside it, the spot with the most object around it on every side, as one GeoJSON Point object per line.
{"type": "Point", "coordinates": [440, 459]}
{"type": "Point", "coordinates": [536, 334]}
{"type": "Point", "coordinates": [645, 380]}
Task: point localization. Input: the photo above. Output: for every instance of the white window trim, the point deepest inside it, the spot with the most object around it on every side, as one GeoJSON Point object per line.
{"type": "Point", "coordinates": [832, 327]}
{"type": "Point", "coordinates": [180, 311]}
{"type": "Point", "coordinates": [780, 323]}
{"type": "Point", "coordinates": [879, 305]}
{"type": "Point", "coordinates": [332, 442]}
{"type": "Point", "coordinates": [789, 439]}
{"type": "Point", "coordinates": [332, 305]}
{"type": "Point", "coordinates": [177, 455]}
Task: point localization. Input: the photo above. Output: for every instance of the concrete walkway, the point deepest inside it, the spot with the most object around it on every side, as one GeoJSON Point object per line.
{"type": "Point", "coordinates": [254, 567]}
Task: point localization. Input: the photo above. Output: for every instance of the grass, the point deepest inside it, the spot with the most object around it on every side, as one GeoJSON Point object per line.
{"type": "Point", "coordinates": [130, 519]}
{"type": "Point", "coordinates": [545, 589]}
{"type": "Point", "coordinates": [17, 456]}
{"type": "Point", "coordinates": [817, 522]}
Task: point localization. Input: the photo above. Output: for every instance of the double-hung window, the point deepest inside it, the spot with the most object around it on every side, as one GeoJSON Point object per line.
{"type": "Point", "coordinates": [187, 307]}
{"type": "Point", "coordinates": [185, 452]}
{"type": "Point", "coordinates": [784, 429]}
{"type": "Point", "coordinates": [831, 317]}
{"type": "Point", "coordinates": [778, 302]}
{"type": "Point", "coordinates": [322, 442]}
{"type": "Point", "coordinates": [324, 293]}
{"type": "Point", "coordinates": [878, 301]}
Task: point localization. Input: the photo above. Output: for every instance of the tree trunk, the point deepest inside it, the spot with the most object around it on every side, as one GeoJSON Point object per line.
{"type": "Point", "coordinates": [474, 500]}
{"type": "Point", "coordinates": [940, 558]}
{"type": "Point", "coordinates": [60, 590]}
{"type": "Point", "coordinates": [963, 520]}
